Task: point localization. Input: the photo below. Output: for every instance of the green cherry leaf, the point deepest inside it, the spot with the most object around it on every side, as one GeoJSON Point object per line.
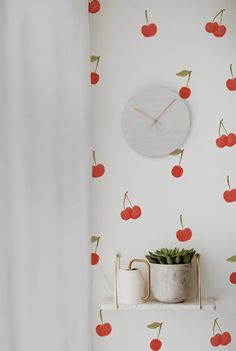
{"type": "Point", "coordinates": [176, 152]}
{"type": "Point", "coordinates": [94, 58]}
{"type": "Point", "coordinates": [94, 238]}
{"type": "Point", "coordinates": [183, 73]}
{"type": "Point", "coordinates": [231, 259]}
{"type": "Point", "coordinates": [154, 325]}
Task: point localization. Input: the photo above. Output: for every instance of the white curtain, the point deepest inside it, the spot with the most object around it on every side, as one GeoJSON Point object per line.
{"type": "Point", "coordinates": [44, 175]}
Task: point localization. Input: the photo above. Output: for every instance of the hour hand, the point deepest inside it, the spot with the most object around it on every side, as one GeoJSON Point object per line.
{"type": "Point", "coordinates": [146, 114]}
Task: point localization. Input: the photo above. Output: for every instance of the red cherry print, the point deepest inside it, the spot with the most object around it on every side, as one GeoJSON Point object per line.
{"type": "Point", "coordinates": [98, 170]}
{"type": "Point", "coordinates": [225, 338]}
{"type": "Point", "coordinates": [211, 27]}
{"type": "Point", "coordinates": [155, 344]}
{"type": "Point", "coordinates": [94, 258]}
{"type": "Point", "coordinates": [136, 212]}
{"type": "Point", "coordinates": [94, 76]}
{"type": "Point", "coordinates": [150, 29]}
{"type": "Point", "coordinates": [94, 6]}
{"type": "Point", "coordinates": [103, 329]}
{"type": "Point", "coordinates": [220, 31]}
{"type": "Point", "coordinates": [231, 139]}
{"type": "Point", "coordinates": [229, 195]}
{"type": "Point", "coordinates": [185, 92]}
{"type": "Point", "coordinates": [231, 82]}
{"type": "Point", "coordinates": [177, 171]}
{"type": "Point", "coordinates": [232, 278]}
{"type": "Point", "coordinates": [221, 141]}
{"type": "Point", "coordinates": [126, 213]}
{"type": "Point", "coordinates": [216, 340]}
{"type": "Point", "coordinates": [183, 234]}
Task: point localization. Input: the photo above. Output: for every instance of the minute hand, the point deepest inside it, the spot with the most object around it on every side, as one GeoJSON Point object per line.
{"type": "Point", "coordinates": [156, 120]}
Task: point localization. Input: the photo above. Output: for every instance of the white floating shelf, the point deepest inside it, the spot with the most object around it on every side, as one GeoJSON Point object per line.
{"type": "Point", "coordinates": [208, 304]}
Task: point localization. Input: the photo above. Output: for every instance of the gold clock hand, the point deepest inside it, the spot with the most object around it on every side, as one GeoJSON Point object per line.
{"type": "Point", "coordinates": [156, 120]}
{"type": "Point", "coordinates": [145, 114]}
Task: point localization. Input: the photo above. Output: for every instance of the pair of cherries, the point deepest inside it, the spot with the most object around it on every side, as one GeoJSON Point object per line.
{"type": "Point", "coordinates": [221, 338]}
{"type": "Point", "coordinates": [228, 139]}
{"type": "Point", "coordinates": [216, 28]}
{"type": "Point", "coordinates": [130, 212]}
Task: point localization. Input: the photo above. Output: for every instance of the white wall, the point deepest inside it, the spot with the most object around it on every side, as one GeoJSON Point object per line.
{"type": "Point", "coordinates": [130, 62]}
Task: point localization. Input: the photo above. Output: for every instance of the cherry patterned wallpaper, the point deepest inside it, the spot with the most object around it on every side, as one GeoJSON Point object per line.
{"type": "Point", "coordinates": [188, 198]}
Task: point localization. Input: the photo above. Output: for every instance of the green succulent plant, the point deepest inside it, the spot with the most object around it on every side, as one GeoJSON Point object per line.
{"type": "Point", "coordinates": [171, 256]}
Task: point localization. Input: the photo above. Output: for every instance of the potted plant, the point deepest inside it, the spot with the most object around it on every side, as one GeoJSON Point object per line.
{"type": "Point", "coordinates": [171, 271]}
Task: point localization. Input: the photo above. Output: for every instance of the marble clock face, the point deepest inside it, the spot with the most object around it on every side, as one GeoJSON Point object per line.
{"type": "Point", "coordinates": [156, 121]}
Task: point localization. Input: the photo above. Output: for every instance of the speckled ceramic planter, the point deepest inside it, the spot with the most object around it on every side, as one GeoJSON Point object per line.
{"type": "Point", "coordinates": [170, 283]}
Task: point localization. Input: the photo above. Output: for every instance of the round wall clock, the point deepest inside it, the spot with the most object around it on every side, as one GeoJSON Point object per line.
{"type": "Point", "coordinates": [156, 121]}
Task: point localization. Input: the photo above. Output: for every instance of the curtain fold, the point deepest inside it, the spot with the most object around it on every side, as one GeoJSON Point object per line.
{"type": "Point", "coordinates": [44, 175]}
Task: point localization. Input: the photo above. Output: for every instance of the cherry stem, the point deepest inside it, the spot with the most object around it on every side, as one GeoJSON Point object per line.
{"type": "Point", "coordinates": [221, 124]}
{"type": "Point", "coordinates": [181, 156]}
{"type": "Point", "coordinates": [214, 326]}
{"type": "Point", "coordinates": [228, 182]}
{"type": "Point", "coordinates": [100, 312]}
{"type": "Point", "coordinates": [146, 16]}
{"type": "Point", "coordinates": [189, 76]}
{"type": "Point", "coordinates": [181, 221]}
{"type": "Point", "coordinates": [219, 13]}
{"type": "Point", "coordinates": [126, 197]}
{"type": "Point", "coordinates": [97, 243]}
{"type": "Point", "coordinates": [159, 332]}
{"type": "Point", "coordinates": [98, 59]}
{"type": "Point", "coordinates": [94, 157]}
{"type": "Point", "coordinates": [231, 70]}
{"type": "Point", "coordinates": [221, 16]}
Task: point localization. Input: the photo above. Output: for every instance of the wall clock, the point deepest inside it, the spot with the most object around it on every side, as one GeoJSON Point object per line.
{"type": "Point", "coordinates": [156, 121]}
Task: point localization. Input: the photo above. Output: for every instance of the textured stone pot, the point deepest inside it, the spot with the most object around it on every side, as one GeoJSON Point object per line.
{"type": "Point", "coordinates": [170, 283]}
